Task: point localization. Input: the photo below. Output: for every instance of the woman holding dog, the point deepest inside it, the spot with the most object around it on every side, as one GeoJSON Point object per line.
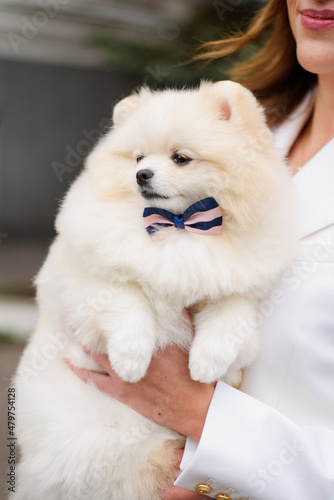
{"type": "Point", "coordinates": [274, 438]}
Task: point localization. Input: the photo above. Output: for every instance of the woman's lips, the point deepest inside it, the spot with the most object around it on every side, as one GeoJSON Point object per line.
{"type": "Point", "coordinates": [317, 19]}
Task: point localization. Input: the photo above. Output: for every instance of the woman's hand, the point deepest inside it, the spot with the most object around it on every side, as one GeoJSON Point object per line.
{"type": "Point", "coordinates": [166, 394]}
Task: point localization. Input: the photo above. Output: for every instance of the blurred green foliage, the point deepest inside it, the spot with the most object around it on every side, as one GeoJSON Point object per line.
{"type": "Point", "coordinates": [168, 59]}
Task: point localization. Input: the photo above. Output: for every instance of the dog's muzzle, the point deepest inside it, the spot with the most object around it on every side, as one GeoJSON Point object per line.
{"type": "Point", "coordinates": [144, 177]}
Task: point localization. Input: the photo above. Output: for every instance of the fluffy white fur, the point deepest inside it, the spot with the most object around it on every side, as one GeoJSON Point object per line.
{"type": "Point", "coordinates": [109, 286]}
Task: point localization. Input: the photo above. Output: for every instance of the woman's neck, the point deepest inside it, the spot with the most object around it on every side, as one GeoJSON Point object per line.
{"type": "Point", "coordinates": [322, 122]}
{"type": "Point", "coordinates": [319, 129]}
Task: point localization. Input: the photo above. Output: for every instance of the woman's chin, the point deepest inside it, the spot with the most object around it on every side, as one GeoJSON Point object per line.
{"type": "Point", "coordinates": [317, 55]}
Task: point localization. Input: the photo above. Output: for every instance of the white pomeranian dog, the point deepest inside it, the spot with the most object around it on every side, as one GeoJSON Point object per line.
{"type": "Point", "coordinates": [185, 203]}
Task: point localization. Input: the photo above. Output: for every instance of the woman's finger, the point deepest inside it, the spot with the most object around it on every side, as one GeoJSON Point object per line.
{"type": "Point", "coordinates": [100, 380]}
{"type": "Point", "coordinates": [174, 493]}
{"type": "Point", "coordinates": [101, 359]}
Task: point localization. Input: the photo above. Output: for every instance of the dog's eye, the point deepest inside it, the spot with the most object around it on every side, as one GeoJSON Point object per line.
{"type": "Point", "coordinates": [180, 159]}
{"type": "Point", "coordinates": [139, 158]}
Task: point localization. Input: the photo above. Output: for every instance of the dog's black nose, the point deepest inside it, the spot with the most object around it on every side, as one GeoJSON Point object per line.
{"type": "Point", "coordinates": [143, 176]}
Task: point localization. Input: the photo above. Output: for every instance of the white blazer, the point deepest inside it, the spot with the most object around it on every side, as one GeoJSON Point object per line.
{"type": "Point", "coordinates": [274, 438]}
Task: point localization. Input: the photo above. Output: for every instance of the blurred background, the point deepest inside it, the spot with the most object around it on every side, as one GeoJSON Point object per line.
{"type": "Point", "coordinates": [63, 65]}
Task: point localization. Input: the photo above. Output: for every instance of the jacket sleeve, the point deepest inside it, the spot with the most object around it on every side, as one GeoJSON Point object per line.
{"type": "Point", "coordinates": [250, 450]}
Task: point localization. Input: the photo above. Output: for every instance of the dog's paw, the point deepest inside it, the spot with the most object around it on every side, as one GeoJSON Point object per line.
{"type": "Point", "coordinates": [210, 360]}
{"type": "Point", "coordinates": [130, 364]}
{"type": "Point", "coordinates": [204, 368]}
{"type": "Point", "coordinates": [204, 371]}
{"type": "Point", "coordinates": [130, 368]}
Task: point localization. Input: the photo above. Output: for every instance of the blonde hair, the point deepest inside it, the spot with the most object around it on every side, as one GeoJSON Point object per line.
{"type": "Point", "coordinates": [273, 73]}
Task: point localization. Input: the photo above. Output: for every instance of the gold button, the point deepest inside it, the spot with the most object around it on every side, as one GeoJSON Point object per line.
{"type": "Point", "coordinates": [223, 496]}
{"type": "Point", "coordinates": [203, 488]}
{"type": "Point", "coordinates": [239, 383]}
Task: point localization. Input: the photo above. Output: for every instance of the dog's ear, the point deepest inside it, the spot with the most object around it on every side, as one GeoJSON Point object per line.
{"type": "Point", "coordinates": [125, 107]}
{"type": "Point", "coordinates": [236, 103]}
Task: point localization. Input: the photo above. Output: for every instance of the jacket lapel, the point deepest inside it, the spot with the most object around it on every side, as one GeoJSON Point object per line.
{"type": "Point", "coordinates": [315, 181]}
{"type": "Point", "coordinates": [315, 187]}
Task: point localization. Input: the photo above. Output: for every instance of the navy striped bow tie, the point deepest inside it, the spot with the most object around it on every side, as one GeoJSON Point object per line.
{"type": "Point", "coordinates": [203, 217]}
